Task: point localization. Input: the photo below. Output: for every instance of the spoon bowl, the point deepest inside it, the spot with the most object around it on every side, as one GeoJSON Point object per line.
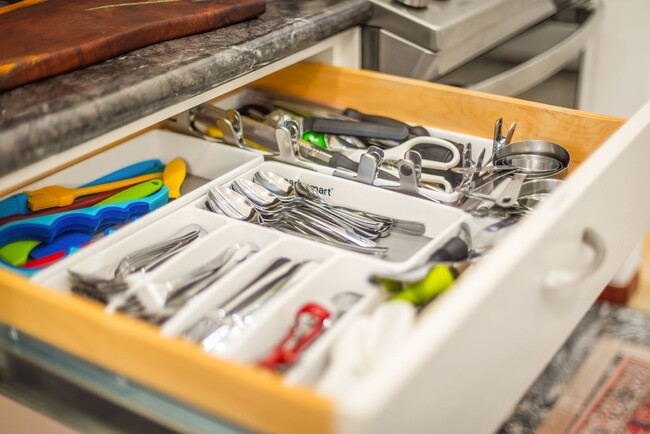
{"type": "Point", "coordinates": [257, 194]}
{"type": "Point", "coordinates": [276, 185]}
{"type": "Point", "coordinates": [233, 204]}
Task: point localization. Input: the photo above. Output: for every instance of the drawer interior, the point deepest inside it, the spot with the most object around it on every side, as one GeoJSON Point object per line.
{"type": "Point", "coordinates": [230, 385]}
{"type": "Point", "coordinates": [438, 106]}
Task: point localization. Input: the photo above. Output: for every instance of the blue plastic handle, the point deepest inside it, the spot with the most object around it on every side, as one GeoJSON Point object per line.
{"type": "Point", "coordinates": [137, 169]}
{"type": "Point", "coordinates": [63, 242]}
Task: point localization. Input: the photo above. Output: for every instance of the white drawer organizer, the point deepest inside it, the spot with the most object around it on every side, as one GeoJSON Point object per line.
{"type": "Point", "coordinates": [334, 270]}
{"type": "Point", "coordinates": [474, 350]}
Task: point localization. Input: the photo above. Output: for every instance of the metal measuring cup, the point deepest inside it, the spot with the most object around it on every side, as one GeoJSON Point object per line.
{"type": "Point", "coordinates": [535, 158]}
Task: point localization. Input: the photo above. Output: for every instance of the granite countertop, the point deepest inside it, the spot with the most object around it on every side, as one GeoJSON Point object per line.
{"type": "Point", "coordinates": [50, 116]}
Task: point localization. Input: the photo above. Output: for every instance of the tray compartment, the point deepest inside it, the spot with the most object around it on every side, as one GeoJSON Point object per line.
{"type": "Point", "coordinates": [407, 249]}
{"type": "Point", "coordinates": [203, 159]}
{"type": "Point", "coordinates": [239, 279]}
{"type": "Point", "coordinates": [273, 324]}
{"type": "Point", "coordinates": [109, 250]}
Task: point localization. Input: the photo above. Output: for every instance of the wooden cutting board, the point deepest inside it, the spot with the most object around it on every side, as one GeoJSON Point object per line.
{"type": "Point", "coordinates": [41, 38]}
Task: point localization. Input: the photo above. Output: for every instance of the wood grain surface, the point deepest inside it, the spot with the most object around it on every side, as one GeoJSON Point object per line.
{"type": "Point", "coordinates": [41, 38]}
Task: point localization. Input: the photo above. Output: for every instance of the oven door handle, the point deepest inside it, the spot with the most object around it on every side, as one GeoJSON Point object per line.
{"type": "Point", "coordinates": [543, 66]}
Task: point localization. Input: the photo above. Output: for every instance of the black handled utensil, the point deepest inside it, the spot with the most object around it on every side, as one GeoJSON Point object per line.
{"type": "Point", "coordinates": [383, 120]}
{"type": "Point", "coordinates": [355, 129]}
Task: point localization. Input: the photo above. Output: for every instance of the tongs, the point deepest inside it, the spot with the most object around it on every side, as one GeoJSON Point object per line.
{"type": "Point", "coordinates": [410, 172]}
{"type": "Point", "coordinates": [437, 154]}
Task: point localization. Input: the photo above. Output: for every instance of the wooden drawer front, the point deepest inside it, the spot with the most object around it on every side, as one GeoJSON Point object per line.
{"type": "Point", "coordinates": [478, 347]}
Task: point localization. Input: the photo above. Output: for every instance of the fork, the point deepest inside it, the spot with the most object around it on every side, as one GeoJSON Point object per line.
{"type": "Point", "coordinates": [163, 299]}
{"type": "Point", "coordinates": [213, 327]}
{"type": "Point", "coordinates": [143, 260]}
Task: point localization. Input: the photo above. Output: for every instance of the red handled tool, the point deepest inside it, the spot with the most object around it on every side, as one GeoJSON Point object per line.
{"type": "Point", "coordinates": [311, 320]}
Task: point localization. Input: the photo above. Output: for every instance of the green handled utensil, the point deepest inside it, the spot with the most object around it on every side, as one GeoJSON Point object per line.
{"type": "Point", "coordinates": [138, 191]}
{"type": "Point", "coordinates": [316, 139]}
{"type": "Point", "coordinates": [17, 253]}
{"type": "Point", "coordinates": [439, 279]}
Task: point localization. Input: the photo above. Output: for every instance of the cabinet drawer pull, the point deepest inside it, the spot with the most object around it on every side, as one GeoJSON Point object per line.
{"type": "Point", "coordinates": [560, 279]}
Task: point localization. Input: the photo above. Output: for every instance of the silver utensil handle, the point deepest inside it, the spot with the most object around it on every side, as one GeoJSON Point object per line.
{"type": "Point", "coordinates": [343, 234]}
{"type": "Point", "coordinates": [262, 284]}
{"type": "Point", "coordinates": [509, 195]}
{"type": "Point", "coordinates": [377, 251]}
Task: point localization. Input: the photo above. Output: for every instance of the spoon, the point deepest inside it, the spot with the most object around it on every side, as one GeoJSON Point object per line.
{"type": "Point", "coordinates": [233, 204]}
{"type": "Point", "coordinates": [257, 194]}
{"type": "Point", "coordinates": [276, 185]}
{"type": "Point", "coordinates": [236, 206]}
{"type": "Point", "coordinates": [405, 226]}
{"type": "Point", "coordinates": [265, 203]}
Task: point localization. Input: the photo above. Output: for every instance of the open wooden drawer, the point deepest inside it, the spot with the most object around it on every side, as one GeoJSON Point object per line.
{"type": "Point", "coordinates": [475, 350]}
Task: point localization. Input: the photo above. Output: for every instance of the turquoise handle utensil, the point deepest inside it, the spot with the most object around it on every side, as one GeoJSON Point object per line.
{"type": "Point", "coordinates": [90, 220]}
{"type": "Point", "coordinates": [137, 169]}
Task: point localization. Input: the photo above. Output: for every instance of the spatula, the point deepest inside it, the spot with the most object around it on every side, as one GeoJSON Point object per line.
{"type": "Point", "coordinates": [56, 195]}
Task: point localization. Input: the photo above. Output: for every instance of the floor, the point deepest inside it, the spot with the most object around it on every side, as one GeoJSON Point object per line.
{"type": "Point", "coordinates": [641, 298]}
{"type": "Point", "coordinates": [17, 419]}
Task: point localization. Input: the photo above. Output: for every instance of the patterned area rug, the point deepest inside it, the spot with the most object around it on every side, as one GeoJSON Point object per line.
{"type": "Point", "coordinates": [610, 393]}
{"type": "Point", "coordinates": [599, 381]}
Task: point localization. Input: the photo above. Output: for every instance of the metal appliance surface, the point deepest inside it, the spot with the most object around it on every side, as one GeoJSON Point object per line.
{"type": "Point", "coordinates": [445, 34]}
{"type": "Point", "coordinates": [415, 3]}
{"type": "Point", "coordinates": [506, 47]}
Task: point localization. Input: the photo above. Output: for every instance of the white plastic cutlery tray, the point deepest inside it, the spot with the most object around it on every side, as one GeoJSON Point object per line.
{"type": "Point", "coordinates": [317, 283]}
{"type": "Point", "coordinates": [478, 346]}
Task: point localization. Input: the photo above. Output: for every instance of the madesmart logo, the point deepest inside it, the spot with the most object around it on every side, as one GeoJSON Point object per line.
{"type": "Point", "coordinates": [321, 190]}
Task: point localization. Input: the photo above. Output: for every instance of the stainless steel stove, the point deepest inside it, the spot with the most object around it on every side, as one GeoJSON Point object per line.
{"type": "Point", "coordinates": [442, 37]}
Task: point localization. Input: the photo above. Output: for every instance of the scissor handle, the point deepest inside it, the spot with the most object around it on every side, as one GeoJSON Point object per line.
{"type": "Point", "coordinates": [398, 151]}
{"type": "Point", "coordinates": [436, 179]}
